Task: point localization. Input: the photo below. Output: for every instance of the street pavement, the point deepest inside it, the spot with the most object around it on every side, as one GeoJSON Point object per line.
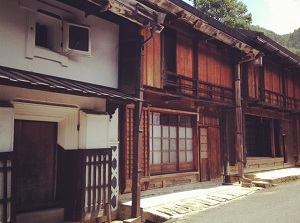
{"type": "Point", "coordinates": [167, 205]}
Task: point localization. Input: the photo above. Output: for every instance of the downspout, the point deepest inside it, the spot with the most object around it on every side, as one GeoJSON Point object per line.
{"type": "Point", "coordinates": [138, 130]}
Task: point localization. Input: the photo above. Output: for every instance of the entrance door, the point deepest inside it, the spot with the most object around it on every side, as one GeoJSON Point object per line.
{"type": "Point", "coordinates": [210, 154]}
{"type": "Point", "coordinates": [35, 148]}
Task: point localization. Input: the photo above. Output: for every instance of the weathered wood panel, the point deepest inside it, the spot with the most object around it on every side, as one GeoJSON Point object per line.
{"type": "Point", "coordinates": [204, 155]}
{"type": "Point", "coordinates": [214, 152]}
{"type": "Point", "coordinates": [184, 53]}
{"type": "Point", "coordinates": [214, 66]}
{"type": "Point", "coordinates": [290, 85]}
{"type": "Point", "coordinates": [273, 77]}
{"type": "Point", "coordinates": [297, 87]}
{"type": "Point", "coordinates": [253, 80]}
{"type": "Point", "coordinates": [152, 59]}
{"type": "Point", "coordinates": [288, 140]}
{"type": "Point", "coordinates": [127, 154]}
{"type": "Point", "coordinates": [35, 149]}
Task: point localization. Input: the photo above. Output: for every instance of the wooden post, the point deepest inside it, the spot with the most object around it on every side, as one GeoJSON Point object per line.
{"type": "Point", "coordinates": [238, 121]}
{"type": "Point", "coordinates": [137, 132]}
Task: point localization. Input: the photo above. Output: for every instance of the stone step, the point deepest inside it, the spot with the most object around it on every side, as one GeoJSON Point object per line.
{"type": "Point", "coordinates": [53, 215]}
{"type": "Point", "coordinates": [263, 184]}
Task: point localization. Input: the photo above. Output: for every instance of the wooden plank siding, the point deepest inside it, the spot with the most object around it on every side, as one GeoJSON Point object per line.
{"type": "Point", "coordinates": [210, 148]}
{"type": "Point", "coordinates": [185, 61]}
{"type": "Point", "coordinates": [215, 67]}
{"type": "Point", "coordinates": [127, 152]}
{"type": "Point", "coordinates": [253, 80]}
{"type": "Point", "coordinates": [152, 60]}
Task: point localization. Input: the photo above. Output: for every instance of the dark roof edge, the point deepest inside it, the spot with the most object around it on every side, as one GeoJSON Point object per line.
{"type": "Point", "coordinates": [211, 21]}
{"type": "Point", "coordinates": [254, 34]}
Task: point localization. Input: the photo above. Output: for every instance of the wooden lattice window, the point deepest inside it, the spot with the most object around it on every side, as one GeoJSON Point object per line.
{"type": "Point", "coordinates": [128, 147]}
{"type": "Point", "coordinates": [171, 143]}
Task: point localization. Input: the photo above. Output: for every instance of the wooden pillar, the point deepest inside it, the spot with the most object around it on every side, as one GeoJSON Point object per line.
{"type": "Point", "coordinates": [238, 121]}
{"type": "Point", "coordinates": [137, 132]}
{"type": "Point", "coordinates": [273, 152]}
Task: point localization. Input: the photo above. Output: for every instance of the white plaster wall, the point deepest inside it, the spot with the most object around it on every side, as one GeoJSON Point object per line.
{"type": "Point", "coordinates": [93, 133]}
{"type": "Point", "coordinates": [101, 68]}
{"type": "Point", "coordinates": [6, 129]}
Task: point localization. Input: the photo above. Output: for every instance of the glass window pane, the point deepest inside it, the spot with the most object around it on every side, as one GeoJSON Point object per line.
{"type": "Point", "coordinates": [157, 158]}
{"type": "Point", "coordinates": [166, 157]}
{"type": "Point", "coordinates": [181, 132]}
{"type": "Point", "coordinates": [165, 131]}
{"type": "Point", "coordinates": [156, 144]}
{"type": "Point", "coordinates": [156, 118]}
{"type": "Point", "coordinates": [182, 156]}
{"type": "Point", "coordinates": [189, 144]}
{"type": "Point", "coordinates": [189, 133]}
{"type": "Point", "coordinates": [173, 157]}
{"type": "Point", "coordinates": [150, 130]}
{"type": "Point", "coordinates": [156, 131]}
{"type": "Point", "coordinates": [173, 133]}
{"type": "Point", "coordinates": [189, 156]}
{"type": "Point", "coordinates": [182, 144]}
{"type": "Point", "coordinates": [165, 144]}
{"type": "Point", "coordinates": [173, 145]}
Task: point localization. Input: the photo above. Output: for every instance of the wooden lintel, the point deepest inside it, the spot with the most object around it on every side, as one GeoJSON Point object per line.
{"type": "Point", "coordinates": [171, 97]}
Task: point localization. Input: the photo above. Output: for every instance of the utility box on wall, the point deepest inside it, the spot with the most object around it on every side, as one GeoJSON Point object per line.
{"type": "Point", "coordinates": [93, 130]}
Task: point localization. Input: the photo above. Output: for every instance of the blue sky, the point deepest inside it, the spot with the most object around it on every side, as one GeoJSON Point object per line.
{"type": "Point", "coordinates": [280, 16]}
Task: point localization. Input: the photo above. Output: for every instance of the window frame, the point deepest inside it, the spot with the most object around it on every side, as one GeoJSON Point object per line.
{"type": "Point", "coordinates": [179, 165]}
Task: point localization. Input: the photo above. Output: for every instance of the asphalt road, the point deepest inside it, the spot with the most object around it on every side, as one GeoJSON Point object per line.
{"type": "Point", "coordinates": [280, 204]}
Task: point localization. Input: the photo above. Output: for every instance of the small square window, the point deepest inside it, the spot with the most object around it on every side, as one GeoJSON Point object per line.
{"type": "Point", "coordinates": [41, 35]}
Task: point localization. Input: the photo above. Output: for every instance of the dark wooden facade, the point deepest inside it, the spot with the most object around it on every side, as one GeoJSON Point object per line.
{"type": "Point", "coordinates": [185, 76]}
{"type": "Point", "coordinates": [271, 111]}
{"type": "Point", "coordinates": [186, 72]}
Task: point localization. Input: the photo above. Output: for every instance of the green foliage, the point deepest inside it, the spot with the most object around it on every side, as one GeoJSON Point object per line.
{"type": "Point", "coordinates": [232, 13]}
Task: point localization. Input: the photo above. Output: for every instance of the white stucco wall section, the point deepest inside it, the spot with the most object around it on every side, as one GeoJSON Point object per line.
{"type": "Point", "coordinates": [93, 133]}
{"type": "Point", "coordinates": [101, 68]}
{"type": "Point", "coordinates": [6, 129]}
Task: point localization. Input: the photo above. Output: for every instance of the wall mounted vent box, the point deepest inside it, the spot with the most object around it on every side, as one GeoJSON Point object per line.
{"type": "Point", "coordinates": [76, 39]}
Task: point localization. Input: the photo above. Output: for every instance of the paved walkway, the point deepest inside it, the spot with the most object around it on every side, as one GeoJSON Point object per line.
{"type": "Point", "coordinates": [168, 204]}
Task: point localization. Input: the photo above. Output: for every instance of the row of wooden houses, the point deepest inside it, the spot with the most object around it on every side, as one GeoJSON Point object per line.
{"type": "Point", "coordinates": [100, 98]}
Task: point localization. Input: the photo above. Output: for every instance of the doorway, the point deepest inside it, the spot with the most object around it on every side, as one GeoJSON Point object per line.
{"type": "Point", "coordinates": [35, 165]}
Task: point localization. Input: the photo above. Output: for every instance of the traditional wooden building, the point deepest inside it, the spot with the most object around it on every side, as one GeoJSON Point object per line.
{"type": "Point", "coordinates": [270, 93]}
{"type": "Point", "coordinates": [188, 87]}
{"type": "Point", "coordinates": [218, 102]}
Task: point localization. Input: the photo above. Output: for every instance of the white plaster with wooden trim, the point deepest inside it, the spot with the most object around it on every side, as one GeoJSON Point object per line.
{"type": "Point", "coordinates": [94, 131]}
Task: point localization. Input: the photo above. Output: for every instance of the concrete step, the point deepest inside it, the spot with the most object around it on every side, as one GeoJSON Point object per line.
{"type": "Point", "coordinates": [53, 215]}
{"type": "Point", "coordinates": [263, 184]}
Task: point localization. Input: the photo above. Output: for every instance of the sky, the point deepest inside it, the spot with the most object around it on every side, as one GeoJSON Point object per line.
{"type": "Point", "coordinates": [280, 16]}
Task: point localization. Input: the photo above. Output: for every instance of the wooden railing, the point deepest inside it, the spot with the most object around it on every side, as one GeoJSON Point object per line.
{"type": "Point", "coordinates": [279, 100]}
{"type": "Point", "coordinates": [5, 182]}
{"type": "Point", "coordinates": [192, 87]}
{"type": "Point", "coordinates": [97, 186]}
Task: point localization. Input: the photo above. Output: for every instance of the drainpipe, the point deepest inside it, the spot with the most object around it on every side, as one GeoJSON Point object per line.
{"type": "Point", "coordinates": [138, 129]}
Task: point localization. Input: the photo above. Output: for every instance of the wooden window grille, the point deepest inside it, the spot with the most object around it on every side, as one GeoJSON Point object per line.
{"type": "Point", "coordinates": [171, 143]}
